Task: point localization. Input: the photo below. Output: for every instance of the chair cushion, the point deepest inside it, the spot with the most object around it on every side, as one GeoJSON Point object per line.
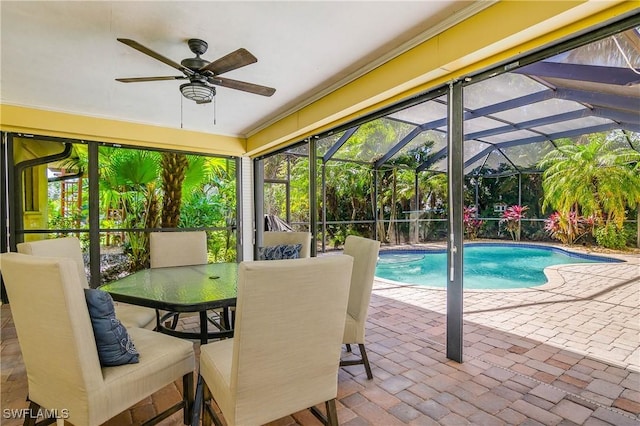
{"type": "Point", "coordinates": [132, 316]}
{"type": "Point", "coordinates": [280, 251]}
{"type": "Point", "coordinates": [114, 344]}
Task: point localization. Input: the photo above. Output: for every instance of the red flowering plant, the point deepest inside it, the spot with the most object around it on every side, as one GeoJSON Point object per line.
{"type": "Point", "coordinates": [568, 228]}
{"type": "Point", "coordinates": [511, 218]}
{"type": "Point", "coordinates": [471, 223]}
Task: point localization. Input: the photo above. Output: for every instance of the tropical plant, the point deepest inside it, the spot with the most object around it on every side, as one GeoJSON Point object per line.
{"type": "Point", "coordinates": [598, 178]}
{"type": "Point", "coordinates": [398, 183]}
{"type": "Point", "coordinates": [568, 228]}
{"type": "Point", "coordinates": [209, 200]}
{"type": "Point", "coordinates": [299, 188]}
{"type": "Point", "coordinates": [511, 219]}
{"type": "Point", "coordinates": [471, 223]}
{"type": "Point", "coordinates": [202, 189]}
{"type": "Point", "coordinates": [349, 197]}
{"type": "Point", "coordinates": [433, 188]}
{"type": "Point", "coordinates": [208, 193]}
{"type": "Point", "coordinates": [611, 237]}
{"type": "Point", "coordinates": [128, 182]}
{"type": "Point", "coordinates": [397, 191]}
{"type": "Point", "coordinates": [201, 210]}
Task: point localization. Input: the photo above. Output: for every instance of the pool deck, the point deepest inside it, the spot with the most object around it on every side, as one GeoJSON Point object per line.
{"type": "Point", "coordinates": [564, 353]}
{"type": "Point", "coordinates": [591, 308]}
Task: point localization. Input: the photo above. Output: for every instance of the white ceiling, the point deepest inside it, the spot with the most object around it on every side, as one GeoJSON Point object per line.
{"type": "Point", "coordinates": [63, 56]}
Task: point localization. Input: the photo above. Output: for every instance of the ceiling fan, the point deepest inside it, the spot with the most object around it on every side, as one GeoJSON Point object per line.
{"type": "Point", "coordinates": [202, 74]}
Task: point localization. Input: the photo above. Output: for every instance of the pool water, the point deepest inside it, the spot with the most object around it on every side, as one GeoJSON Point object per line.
{"type": "Point", "coordinates": [486, 266]}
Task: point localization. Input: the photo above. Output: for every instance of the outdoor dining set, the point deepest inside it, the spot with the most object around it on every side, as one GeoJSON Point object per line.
{"type": "Point", "coordinates": [271, 331]}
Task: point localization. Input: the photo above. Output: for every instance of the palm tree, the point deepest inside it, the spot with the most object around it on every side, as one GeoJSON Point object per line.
{"type": "Point", "coordinates": [348, 189]}
{"type": "Point", "coordinates": [434, 190]}
{"type": "Point", "coordinates": [397, 192]}
{"type": "Point", "coordinates": [399, 183]}
{"type": "Point", "coordinates": [597, 179]}
{"type": "Point", "coordinates": [209, 200]}
{"type": "Point", "coordinates": [128, 182]}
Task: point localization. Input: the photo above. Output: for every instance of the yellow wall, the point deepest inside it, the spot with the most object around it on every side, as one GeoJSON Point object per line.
{"type": "Point", "coordinates": [28, 149]}
{"type": "Point", "coordinates": [500, 32]}
{"type": "Point", "coordinates": [37, 219]}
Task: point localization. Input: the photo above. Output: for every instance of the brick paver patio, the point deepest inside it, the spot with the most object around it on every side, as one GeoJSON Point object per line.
{"type": "Point", "coordinates": [564, 353]}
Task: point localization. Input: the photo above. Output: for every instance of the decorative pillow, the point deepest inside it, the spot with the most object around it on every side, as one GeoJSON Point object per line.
{"type": "Point", "coordinates": [282, 251]}
{"type": "Point", "coordinates": [115, 347]}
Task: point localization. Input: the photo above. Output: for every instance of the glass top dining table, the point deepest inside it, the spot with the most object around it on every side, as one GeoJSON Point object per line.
{"type": "Point", "coordinates": [196, 288]}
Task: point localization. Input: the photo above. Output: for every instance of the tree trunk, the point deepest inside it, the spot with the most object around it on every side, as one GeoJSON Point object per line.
{"type": "Point", "coordinates": [392, 215]}
{"type": "Point", "coordinates": [379, 216]}
{"type": "Point", "coordinates": [174, 167]}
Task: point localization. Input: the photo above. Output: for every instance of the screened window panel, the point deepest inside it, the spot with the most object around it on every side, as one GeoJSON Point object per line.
{"type": "Point", "coordinates": [440, 165]}
{"type": "Point", "coordinates": [302, 149]}
{"type": "Point", "coordinates": [520, 146]}
{"type": "Point", "coordinates": [606, 52]}
{"type": "Point", "coordinates": [325, 144]}
{"type": "Point", "coordinates": [481, 123]}
{"type": "Point", "coordinates": [128, 178]}
{"type": "Point", "coordinates": [272, 169]}
{"type": "Point", "coordinates": [509, 137]}
{"type": "Point", "coordinates": [475, 168]}
{"type": "Point", "coordinates": [616, 138]}
{"type": "Point", "coordinates": [500, 88]}
{"type": "Point", "coordinates": [620, 142]}
{"type": "Point", "coordinates": [423, 146]}
{"type": "Point", "coordinates": [274, 199]}
{"type": "Point", "coordinates": [425, 112]}
{"type": "Point", "coordinates": [571, 125]}
{"type": "Point", "coordinates": [54, 195]}
{"type": "Point", "coordinates": [547, 108]}
{"type": "Point", "coordinates": [473, 147]}
{"type": "Point", "coordinates": [373, 139]}
{"type": "Point", "coordinates": [494, 163]}
{"type": "Point", "coordinates": [527, 156]}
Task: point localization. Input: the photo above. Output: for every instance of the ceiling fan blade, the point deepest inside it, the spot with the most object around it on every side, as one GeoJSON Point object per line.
{"type": "Point", "coordinates": [232, 61]}
{"type": "Point", "coordinates": [241, 85]}
{"type": "Point", "coordinates": [141, 79]}
{"type": "Point", "coordinates": [147, 51]}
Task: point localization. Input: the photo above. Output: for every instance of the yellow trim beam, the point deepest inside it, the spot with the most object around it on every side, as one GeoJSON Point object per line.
{"type": "Point", "coordinates": [64, 125]}
{"type": "Point", "coordinates": [500, 32]}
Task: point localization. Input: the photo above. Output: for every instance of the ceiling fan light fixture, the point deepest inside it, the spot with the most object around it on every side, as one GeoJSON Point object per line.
{"type": "Point", "coordinates": [202, 74]}
{"type": "Point", "coordinates": [199, 92]}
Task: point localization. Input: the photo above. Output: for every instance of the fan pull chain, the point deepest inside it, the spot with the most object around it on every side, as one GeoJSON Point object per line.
{"type": "Point", "coordinates": [214, 110]}
{"type": "Point", "coordinates": [181, 102]}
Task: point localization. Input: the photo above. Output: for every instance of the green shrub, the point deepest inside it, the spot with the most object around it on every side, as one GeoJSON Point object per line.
{"type": "Point", "coordinates": [610, 236]}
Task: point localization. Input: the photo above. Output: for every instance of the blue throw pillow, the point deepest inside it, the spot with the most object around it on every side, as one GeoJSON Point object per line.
{"type": "Point", "coordinates": [282, 251]}
{"type": "Point", "coordinates": [114, 344]}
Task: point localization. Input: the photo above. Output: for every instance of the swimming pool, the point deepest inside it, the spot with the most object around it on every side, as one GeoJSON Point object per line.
{"type": "Point", "coordinates": [486, 265]}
